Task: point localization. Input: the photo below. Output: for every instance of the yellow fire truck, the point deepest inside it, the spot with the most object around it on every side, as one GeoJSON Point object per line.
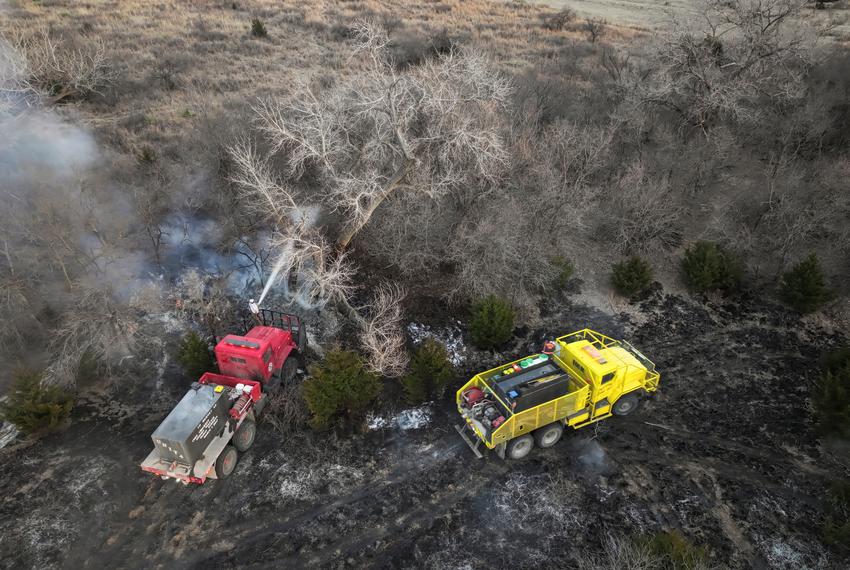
{"type": "Point", "coordinates": [578, 379]}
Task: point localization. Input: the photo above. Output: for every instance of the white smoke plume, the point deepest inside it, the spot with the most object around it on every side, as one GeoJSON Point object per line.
{"type": "Point", "coordinates": [70, 274]}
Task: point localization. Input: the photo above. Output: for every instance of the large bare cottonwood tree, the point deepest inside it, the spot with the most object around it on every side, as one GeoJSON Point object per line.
{"type": "Point", "coordinates": [424, 131]}
{"type": "Point", "coordinates": [740, 54]}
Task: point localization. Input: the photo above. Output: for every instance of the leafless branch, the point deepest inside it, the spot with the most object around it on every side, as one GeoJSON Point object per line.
{"type": "Point", "coordinates": [94, 324]}
{"type": "Point", "coordinates": [56, 70]}
{"type": "Point", "coordinates": [383, 336]}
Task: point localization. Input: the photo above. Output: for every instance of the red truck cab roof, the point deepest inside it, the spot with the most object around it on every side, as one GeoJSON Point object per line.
{"type": "Point", "coordinates": [255, 356]}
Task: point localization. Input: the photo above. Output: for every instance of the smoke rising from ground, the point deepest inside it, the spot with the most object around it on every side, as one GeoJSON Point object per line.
{"type": "Point", "coordinates": [71, 272]}
{"type": "Point", "coordinates": [38, 144]}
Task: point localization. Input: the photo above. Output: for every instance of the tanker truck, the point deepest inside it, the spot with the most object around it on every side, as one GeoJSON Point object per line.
{"type": "Point", "coordinates": [215, 421]}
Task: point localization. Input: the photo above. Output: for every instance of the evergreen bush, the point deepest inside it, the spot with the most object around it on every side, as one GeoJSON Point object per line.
{"type": "Point", "coordinates": [340, 389]}
{"type": "Point", "coordinates": [89, 371]}
{"type": "Point", "coordinates": [564, 272]}
{"type": "Point", "coordinates": [258, 28]}
{"type": "Point", "coordinates": [804, 287]}
{"type": "Point", "coordinates": [430, 373]}
{"type": "Point", "coordinates": [836, 525]}
{"type": "Point", "coordinates": [194, 356]}
{"type": "Point", "coordinates": [492, 322]}
{"type": "Point", "coordinates": [708, 267]}
{"type": "Point", "coordinates": [672, 551]}
{"type": "Point", "coordinates": [35, 408]}
{"type": "Point", "coordinates": [631, 276]}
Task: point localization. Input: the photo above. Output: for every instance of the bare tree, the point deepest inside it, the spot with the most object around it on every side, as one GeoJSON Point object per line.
{"type": "Point", "coordinates": [646, 216]}
{"type": "Point", "coordinates": [747, 49]}
{"type": "Point", "coordinates": [303, 252]}
{"type": "Point", "coordinates": [15, 87]}
{"type": "Point", "coordinates": [93, 324]}
{"type": "Point", "coordinates": [17, 310]}
{"type": "Point", "coordinates": [47, 65]}
{"type": "Point", "coordinates": [287, 411]}
{"type": "Point", "coordinates": [383, 336]}
{"type": "Point", "coordinates": [515, 248]}
{"type": "Point", "coordinates": [559, 20]}
{"type": "Point", "coordinates": [204, 299]}
{"type": "Point", "coordinates": [427, 129]}
{"type": "Point", "coordinates": [595, 28]}
{"type": "Point", "coordinates": [152, 207]}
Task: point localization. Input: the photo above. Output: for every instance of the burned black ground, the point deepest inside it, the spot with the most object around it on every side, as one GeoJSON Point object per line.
{"type": "Point", "coordinates": [727, 453]}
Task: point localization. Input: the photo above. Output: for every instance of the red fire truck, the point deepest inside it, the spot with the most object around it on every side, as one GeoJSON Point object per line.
{"type": "Point", "coordinates": [216, 420]}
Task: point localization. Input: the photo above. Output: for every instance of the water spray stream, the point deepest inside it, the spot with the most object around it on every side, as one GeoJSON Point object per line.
{"type": "Point", "coordinates": [277, 267]}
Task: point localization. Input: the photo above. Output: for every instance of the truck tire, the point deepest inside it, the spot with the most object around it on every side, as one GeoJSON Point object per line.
{"type": "Point", "coordinates": [520, 447]}
{"type": "Point", "coordinates": [626, 405]}
{"type": "Point", "coordinates": [244, 437]}
{"type": "Point", "coordinates": [548, 435]}
{"type": "Point", "coordinates": [273, 383]}
{"type": "Point", "coordinates": [226, 462]}
{"type": "Point", "coordinates": [290, 367]}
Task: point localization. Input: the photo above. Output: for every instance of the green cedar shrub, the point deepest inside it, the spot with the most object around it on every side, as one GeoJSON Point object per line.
{"type": "Point", "coordinates": [492, 322]}
{"type": "Point", "coordinates": [836, 526]}
{"type": "Point", "coordinates": [564, 272]}
{"type": "Point", "coordinates": [258, 28]}
{"type": "Point", "coordinates": [194, 356]}
{"type": "Point", "coordinates": [709, 267]}
{"type": "Point", "coordinates": [89, 371]}
{"type": "Point", "coordinates": [672, 551]}
{"type": "Point", "coordinates": [430, 373]}
{"type": "Point", "coordinates": [631, 276]}
{"type": "Point", "coordinates": [340, 389]}
{"type": "Point", "coordinates": [33, 407]}
{"type": "Point", "coordinates": [804, 286]}
{"type": "Point", "coordinates": [832, 397]}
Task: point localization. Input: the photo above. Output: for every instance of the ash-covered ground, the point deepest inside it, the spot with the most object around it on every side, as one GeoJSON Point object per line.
{"type": "Point", "coordinates": [726, 453]}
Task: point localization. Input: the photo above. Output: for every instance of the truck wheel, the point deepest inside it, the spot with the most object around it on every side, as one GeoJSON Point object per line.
{"type": "Point", "coordinates": [520, 447]}
{"type": "Point", "coordinates": [244, 437]}
{"type": "Point", "coordinates": [625, 405]}
{"type": "Point", "coordinates": [290, 367]}
{"type": "Point", "coordinates": [226, 462]}
{"type": "Point", "coordinates": [272, 385]}
{"type": "Point", "coordinates": [548, 435]}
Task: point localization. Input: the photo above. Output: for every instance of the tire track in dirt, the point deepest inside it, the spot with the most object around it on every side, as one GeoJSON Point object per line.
{"type": "Point", "coordinates": [433, 508]}
{"type": "Point", "coordinates": [756, 452]}
{"type": "Point", "coordinates": [246, 536]}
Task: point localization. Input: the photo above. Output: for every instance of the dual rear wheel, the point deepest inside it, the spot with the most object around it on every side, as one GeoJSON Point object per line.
{"type": "Point", "coordinates": [546, 436]}
{"type": "Point", "coordinates": [549, 435]}
{"type": "Point", "coordinates": [242, 441]}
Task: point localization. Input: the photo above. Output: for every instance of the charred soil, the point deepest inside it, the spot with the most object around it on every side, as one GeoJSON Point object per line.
{"type": "Point", "coordinates": [726, 453]}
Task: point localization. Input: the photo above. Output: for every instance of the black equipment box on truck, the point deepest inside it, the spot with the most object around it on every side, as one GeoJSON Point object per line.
{"type": "Point", "coordinates": [199, 417]}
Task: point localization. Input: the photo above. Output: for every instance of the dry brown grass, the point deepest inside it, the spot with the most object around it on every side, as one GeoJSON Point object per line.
{"type": "Point", "coordinates": [178, 57]}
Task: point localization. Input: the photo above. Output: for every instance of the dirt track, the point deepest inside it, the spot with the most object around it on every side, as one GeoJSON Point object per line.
{"type": "Point", "coordinates": [726, 453]}
{"type": "Point", "coordinates": [660, 14]}
{"type": "Point", "coordinates": [647, 14]}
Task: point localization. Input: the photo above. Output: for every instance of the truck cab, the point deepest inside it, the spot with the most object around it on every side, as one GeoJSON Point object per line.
{"type": "Point", "coordinates": [582, 378]}
{"type": "Point", "coordinates": [610, 369]}
{"type": "Point", "coordinates": [263, 353]}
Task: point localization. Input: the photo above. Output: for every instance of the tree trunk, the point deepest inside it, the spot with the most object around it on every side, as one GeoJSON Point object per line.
{"type": "Point", "coordinates": [349, 232]}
